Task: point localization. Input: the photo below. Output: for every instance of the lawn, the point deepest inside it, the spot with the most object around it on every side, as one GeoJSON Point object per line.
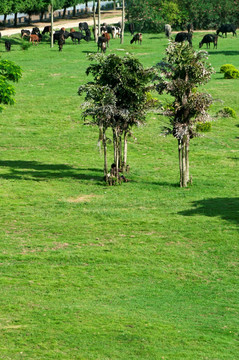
{"type": "Point", "coordinates": [145, 270]}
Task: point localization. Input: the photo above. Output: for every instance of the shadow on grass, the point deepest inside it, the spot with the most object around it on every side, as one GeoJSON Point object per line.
{"type": "Point", "coordinates": [226, 208]}
{"type": "Point", "coordinates": [33, 170]}
{"type": "Point", "coordinates": [228, 52]}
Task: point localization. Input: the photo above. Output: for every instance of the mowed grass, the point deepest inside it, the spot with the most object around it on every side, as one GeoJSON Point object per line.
{"type": "Point", "coordinates": [144, 270]}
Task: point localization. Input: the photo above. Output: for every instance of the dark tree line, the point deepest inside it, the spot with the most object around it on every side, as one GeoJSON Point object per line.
{"type": "Point", "coordinates": [39, 7]}
{"type": "Point", "coordinates": [153, 14]}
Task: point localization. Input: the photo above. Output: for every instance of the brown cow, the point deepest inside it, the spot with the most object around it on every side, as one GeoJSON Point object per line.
{"type": "Point", "coordinates": [107, 37]}
{"type": "Point", "coordinates": [34, 39]}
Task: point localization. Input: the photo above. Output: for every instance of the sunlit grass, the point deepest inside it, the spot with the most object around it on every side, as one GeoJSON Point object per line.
{"type": "Point", "coordinates": [145, 270]}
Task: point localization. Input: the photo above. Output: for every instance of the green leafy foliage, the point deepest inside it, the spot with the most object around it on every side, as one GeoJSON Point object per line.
{"type": "Point", "coordinates": [203, 127]}
{"type": "Point", "coordinates": [231, 74]}
{"type": "Point", "coordinates": [227, 67]}
{"type": "Point", "coordinates": [227, 112]}
{"type": "Point", "coordinates": [12, 72]}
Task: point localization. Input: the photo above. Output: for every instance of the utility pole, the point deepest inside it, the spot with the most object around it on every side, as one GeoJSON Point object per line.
{"type": "Point", "coordinates": [95, 31]}
{"type": "Point", "coordinates": [52, 20]}
{"type": "Point", "coordinates": [123, 16]}
{"type": "Point", "coordinates": [98, 18]}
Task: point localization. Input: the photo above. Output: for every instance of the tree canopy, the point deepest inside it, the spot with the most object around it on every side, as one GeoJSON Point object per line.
{"type": "Point", "coordinates": [8, 72]}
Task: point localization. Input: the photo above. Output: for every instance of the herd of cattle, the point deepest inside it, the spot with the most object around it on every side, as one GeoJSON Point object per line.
{"type": "Point", "coordinates": [207, 39]}
{"type": "Point", "coordinates": [109, 31]}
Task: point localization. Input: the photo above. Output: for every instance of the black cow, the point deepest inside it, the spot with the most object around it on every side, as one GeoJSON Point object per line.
{"type": "Point", "coordinates": [83, 26]}
{"type": "Point", "coordinates": [102, 43]}
{"type": "Point", "coordinates": [25, 33]}
{"type": "Point", "coordinates": [35, 31]}
{"type": "Point", "coordinates": [47, 29]}
{"type": "Point", "coordinates": [183, 36]}
{"type": "Point", "coordinates": [87, 35]}
{"type": "Point", "coordinates": [77, 36]}
{"type": "Point", "coordinates": [131, 28]}
{"type": "Point", "coordinates": [225, 28]}
{"type": "Point", "coordinates": [61, 41]}
{"type": "Point", "coordinates": [8, 45]}
{"type": "Point", "coordinates": [58, 34]}
{"type": "Point", "coordinates": [208, 39]}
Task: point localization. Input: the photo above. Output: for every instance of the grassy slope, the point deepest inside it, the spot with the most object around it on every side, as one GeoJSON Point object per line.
{"type": "Point", "coordinates": [145, 270]}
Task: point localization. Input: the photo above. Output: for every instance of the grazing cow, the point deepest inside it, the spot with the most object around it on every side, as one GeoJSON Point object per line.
{"type": "Point", "coordinates": [137, 37]}
{"type": "Point", "coordinates": [131, 28]}
{"type": "Point", "coordinates": [225, 28]}
{"type": "Point", "coordinates": [59, 33]}
{"type": "Point", "coordinates": [47, 29]}
{"type": "Point", "coordinates": [35, 31]}
{"type": "Point", "coordinates": [34, 39]}
{"type": "Point", "coordinates": [102, 43]}
{"type": "Point", "coordinates": [8, 45]}
{"type": "Point", "coordinates": [190, 28]}
{"type": "Point", "coordinates": [107, 38]}
{"type": "Point", "coordinates": [108, 29]}
{"type": "Point", "coordinates": [87, 35]}
{"type": "Point", "coordinates": [25, 33]}
{"type": "Point", "coordinates": [168, 30]}
{"type": "Point", "coordinates": [77, 36]}
{"type": "Point", "coordinates": [61, 41]}
{"type": "Point", "coordinates": [83, 26]}
{"type": "Point", "coordinates": [183, 36]}
{"type": "Point", "coordinates": [209, 38]}
{"type": "Point", "coordinates": [118, 31]}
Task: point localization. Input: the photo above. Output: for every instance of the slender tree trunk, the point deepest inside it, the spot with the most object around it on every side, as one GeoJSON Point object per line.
{"type": "Point", "coordinates": [105, 153]}
{"type": "Point", "coordinates": [98, 18]}
{"type": "Point", "coordinates": [74, 10]}
{"type": "Point", "coordinates": [52, 21]}
{"type": "Point", "coordinates": [125, 151]}
{"type": "Point", "coordinates": [114, 4]}
{"type": "Point", "coordinates": [15, 19]}
{"type": "Point", "coordinates": [123, 16]}
{"type": "Point", "coordinates": [180, 161]}
{"type": "Point", "coordinates": [29, 18]}
{"type": "Point", "coordinates": [42, 14]}
{"type": "Point", "coordinates": [94, 20]}
{"type": "Point", "coordinates": [64, 13]}
{"type": "Point", "coordinates": [183, 152]}
{"type": "Point", "coordinates": [187, 158]}
{"type": "Point", "coordinates": [4, 20]}
{"type": "Point", "coordinates": [120, 152]}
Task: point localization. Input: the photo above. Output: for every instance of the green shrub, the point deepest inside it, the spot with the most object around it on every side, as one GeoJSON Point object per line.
{"type": "Point", "coordinates": [227, 112]}
{"type": "Point", "coordinates": [231, 74]}
{"type": "Point", "coordinates": [203, 127]}
{"type": "Point", "coordinates": [25, 45]}
{"type": "Point", "coordinates": [227, 67]}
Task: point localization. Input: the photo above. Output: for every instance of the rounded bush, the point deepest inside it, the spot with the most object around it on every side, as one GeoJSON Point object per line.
{"type": "Point", "coordinates": [227, 112]}
{"type": "Point", "coordinates": [203, 127]}
{"type": "Point", "coordinates": [231, 74]}
{"type": "Point", "coordinates": [227, 67]}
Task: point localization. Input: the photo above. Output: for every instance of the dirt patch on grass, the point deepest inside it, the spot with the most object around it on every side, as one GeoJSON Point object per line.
{"type": "Point", "coordinates": [82, 198]}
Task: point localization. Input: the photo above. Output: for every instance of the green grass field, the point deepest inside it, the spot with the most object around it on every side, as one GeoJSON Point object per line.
{"type": "Point", "coordinates": [145, 270]}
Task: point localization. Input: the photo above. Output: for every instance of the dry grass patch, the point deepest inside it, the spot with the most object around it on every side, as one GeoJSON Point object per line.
{"type": "Point", "coordinates": [82, 198]}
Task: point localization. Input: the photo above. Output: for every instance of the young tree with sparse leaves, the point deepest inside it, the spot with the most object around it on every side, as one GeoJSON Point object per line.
{"type": "Point", "coordinates": [116, 99]}
{"type": "Point", "coordinates": [183, 71]}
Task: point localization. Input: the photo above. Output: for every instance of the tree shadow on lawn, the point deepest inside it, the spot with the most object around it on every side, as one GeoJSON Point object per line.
{"type": "Point", "coordinates": [34, 170]}
{"type": "Point", "coordinates": [226, 208]}
{"type": "Point", "coordinates": [229, 52]}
